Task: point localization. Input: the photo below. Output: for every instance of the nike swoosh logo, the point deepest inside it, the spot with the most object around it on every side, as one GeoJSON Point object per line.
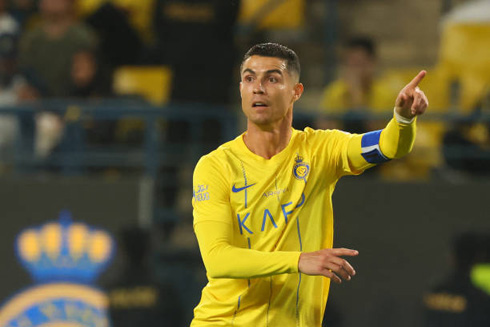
{"type": "Point", "coordinates": [235, 189]}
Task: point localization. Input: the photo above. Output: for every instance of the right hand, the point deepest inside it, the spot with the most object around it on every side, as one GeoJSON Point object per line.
{"type": "Point", "coordinates": [328, 263]}
{"type": "Point", "coordinates": [411, 100]}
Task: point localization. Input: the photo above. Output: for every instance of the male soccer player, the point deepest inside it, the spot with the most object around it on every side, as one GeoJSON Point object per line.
{"type": "Point", "coordinates": [262, 202]}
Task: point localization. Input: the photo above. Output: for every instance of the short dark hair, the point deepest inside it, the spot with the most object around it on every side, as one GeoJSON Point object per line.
{"type": "Point", "coordinates": [277, 51]}
{"type": "Point", "coordinates": [363, 42]}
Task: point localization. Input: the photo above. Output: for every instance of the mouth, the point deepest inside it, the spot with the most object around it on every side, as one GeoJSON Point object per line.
{"type": "Point", "coordinates": [259, 105]}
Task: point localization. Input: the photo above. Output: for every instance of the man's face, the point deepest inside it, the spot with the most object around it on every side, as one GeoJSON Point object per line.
{"type": "Point", "coordinates": [268, 89]}
{"type": "Point", "coordinates": [83, 68]}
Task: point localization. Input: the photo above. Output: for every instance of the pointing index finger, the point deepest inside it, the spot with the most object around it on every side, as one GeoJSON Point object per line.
{"type": "Point", "coordinates": [417, 79]}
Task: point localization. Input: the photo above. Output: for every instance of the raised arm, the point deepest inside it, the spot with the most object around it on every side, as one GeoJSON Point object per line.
{"type": "Point", "coordinates": [397, 138]}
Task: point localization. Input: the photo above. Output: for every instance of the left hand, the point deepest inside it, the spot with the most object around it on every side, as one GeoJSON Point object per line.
{"type": "Point", "coordinates": [411, 100]}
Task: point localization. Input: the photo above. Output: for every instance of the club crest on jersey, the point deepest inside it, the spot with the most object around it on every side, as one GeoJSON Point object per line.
{"type": "Point", "coordinates": [300, 169]}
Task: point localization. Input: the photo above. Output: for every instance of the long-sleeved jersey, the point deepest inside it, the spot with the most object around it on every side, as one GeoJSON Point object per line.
{"type": "Point", "coordinates": [254, 216]}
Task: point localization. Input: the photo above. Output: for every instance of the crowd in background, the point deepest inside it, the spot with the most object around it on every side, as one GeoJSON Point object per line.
{"type": "Point", "coordinates": [51, 49]}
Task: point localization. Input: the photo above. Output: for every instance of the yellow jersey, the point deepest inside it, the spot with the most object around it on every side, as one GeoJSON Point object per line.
{"type": "Point", "coordinates": [254, 216]}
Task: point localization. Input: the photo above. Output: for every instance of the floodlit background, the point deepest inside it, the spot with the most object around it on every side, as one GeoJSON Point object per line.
{"type": "Point", "coordinates": [106, 106]}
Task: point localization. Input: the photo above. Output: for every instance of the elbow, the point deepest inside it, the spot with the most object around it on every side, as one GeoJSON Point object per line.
{"type": "Point", "coordinates": [219, 269]}
{"type": "Point", "coordinates": [215, 273]}
{"type": "Point", "coordinates": [213, 268]}
{"type": "Point", "coordinates": [217, 263]}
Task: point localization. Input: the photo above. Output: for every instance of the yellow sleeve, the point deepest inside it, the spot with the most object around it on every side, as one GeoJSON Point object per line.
{"type": "Point", "coordinates": [395, 141]}
{"type": "Point", "coordinates": [223, 260]}
{"type": "Point", "coordinates": [215, 229]}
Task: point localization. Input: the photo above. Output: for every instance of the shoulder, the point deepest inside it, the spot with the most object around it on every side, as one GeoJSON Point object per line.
{"type": "Point", "coordinates": [324, 141]}
{"type": "Point", "coordinates": [314, 135]}
{"type": "Point", "coordinates": [218, 158]}
{"type": "Point", "coordinates": [224, 149]}
{"type": "Point", "coordinates": [212, 171]}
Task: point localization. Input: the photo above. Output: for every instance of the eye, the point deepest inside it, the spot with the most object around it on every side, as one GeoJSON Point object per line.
{"type": "Point", "coordinates": [272, 79]}
{"type": "Point", "coordinates": [248, 78]}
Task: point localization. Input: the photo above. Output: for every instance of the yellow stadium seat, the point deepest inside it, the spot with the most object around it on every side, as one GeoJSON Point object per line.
{"type": "Point", "coordinates": [272, 13]}
{"type": "Point", "coordinates": [465, 47]}
{"type": "Point", "coordinates": [153, 83]}
{"type": "Point", "coordinates": [464, 55]}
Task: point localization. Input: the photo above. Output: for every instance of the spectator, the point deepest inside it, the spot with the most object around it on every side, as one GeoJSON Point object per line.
{"type": "Point", "coordinates": [88, 77]}
{"type": "Point", "coordinates": [456, 302]}
{"type": "Point", "coordinates": [357, 92]}
{"type": "Point", "coordinates": [45, 59]}
{"type": "Point", "coordinates": [90, 80]}
{"type": "Point", "coordinates": [47, 51]}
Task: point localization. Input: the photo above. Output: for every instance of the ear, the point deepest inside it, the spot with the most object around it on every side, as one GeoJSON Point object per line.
{"type": "Point", "coordinates": [298, 91]}
{"type": "Point", "coordinates": [240, 88]}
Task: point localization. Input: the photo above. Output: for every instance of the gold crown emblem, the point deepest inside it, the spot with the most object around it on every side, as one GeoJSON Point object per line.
{"type": "Point", "coordinates": [64, 250]}
{"type": "Point", "coordinates": [301, 168]}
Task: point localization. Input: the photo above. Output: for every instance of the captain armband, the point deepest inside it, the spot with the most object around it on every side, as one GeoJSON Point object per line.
{"type": "Point", "coordinates": [370, 148]}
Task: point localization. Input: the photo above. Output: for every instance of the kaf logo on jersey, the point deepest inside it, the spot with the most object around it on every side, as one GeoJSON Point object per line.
{"type": "Point", "coordinates": [300, 169]}
{"type": "Point", "coordinates": [64, 259]}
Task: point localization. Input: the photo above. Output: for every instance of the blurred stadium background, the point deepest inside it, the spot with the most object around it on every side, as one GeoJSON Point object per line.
{"type": "Point", "coordinates": [109, 121]}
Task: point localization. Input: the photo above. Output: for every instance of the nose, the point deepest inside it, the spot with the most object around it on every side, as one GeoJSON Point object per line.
{"type": "Point", "coordinates": [258, 87]}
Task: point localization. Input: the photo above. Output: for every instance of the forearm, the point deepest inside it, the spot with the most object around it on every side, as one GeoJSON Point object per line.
{"type": "Point", "coordinates": [397, 138]}
{"type": "Point", "coordinates": [223, 260]}
{"type": "Point", "coordinates": [394, 141]}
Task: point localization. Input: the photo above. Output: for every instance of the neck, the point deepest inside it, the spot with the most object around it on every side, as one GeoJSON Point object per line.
{"type": "Point", "coordinates": [267, 141]}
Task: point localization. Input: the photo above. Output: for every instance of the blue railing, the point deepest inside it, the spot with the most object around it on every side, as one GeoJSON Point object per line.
{"type": "Point", "coordinates": [153, 151]}
{"type": "Point", "coordinates": [75, 154]}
